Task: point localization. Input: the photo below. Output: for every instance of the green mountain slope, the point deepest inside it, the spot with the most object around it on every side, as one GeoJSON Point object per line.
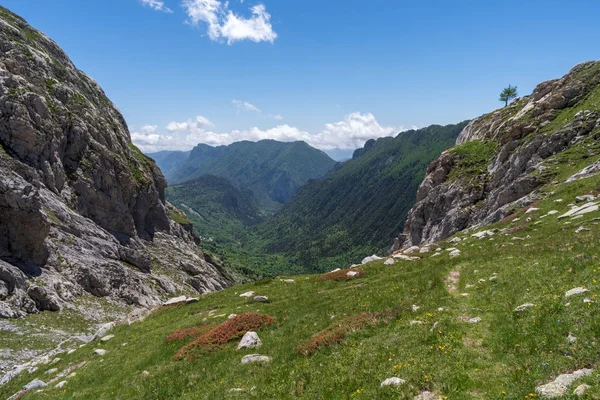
{"type": "Point", "coordinates": [360, 207]}
{"type": "Point", "coordinates": [272, 170]}
{"type": "Point", "coordinates": [450, 326]}
{"type": "Point", "coordinates": [219, 211]}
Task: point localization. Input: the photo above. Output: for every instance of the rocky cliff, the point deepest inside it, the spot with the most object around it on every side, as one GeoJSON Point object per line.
{"type": "Point", "coordinates": [504, 158]}
{"type": "Point", "coordinates": [82, 210]}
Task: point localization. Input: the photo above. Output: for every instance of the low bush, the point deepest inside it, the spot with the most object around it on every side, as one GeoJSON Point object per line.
{"type": "Point", "coordinates": [224, 333]}
{"type": "Point", "coordinates": [188, 333]}
{"type": "Point", "coordinates": [337, 332]}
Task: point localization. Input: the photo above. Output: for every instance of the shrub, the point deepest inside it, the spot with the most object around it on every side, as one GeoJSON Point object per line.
{"type": "Point", "coordinates": [188, 333]}
{"type": "Point", "coordinates": [341, 275]}
{"type": "Point", "coordinates": [224, 333]}
{"type": "Point", "coordinates": [337, 332]}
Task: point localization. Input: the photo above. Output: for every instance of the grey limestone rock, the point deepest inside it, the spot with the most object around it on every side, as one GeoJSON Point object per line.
{"type": "Point", "coordinates": [83, 210]}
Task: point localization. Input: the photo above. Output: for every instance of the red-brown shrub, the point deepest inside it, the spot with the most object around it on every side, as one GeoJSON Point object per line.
{"type": "Point", "coordinates": [188, 333]}
{"type": "Point", "coordinates": [337, 332]}
{"type": "Point", "coordinates": [229, 330]}
{"type": "Point", "coordinates": [341, 275]}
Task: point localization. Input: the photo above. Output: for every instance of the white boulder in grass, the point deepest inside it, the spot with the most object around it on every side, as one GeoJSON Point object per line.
{"type": "Point", "coordinates": [455, 253]}
{"type": "Point", "coordinates": [249, 341]}
{"type": "Point", "coordinates": [255, 358]}
{"type": "Point", "coordinates": [389, 261]}
{"type": "Point", "coordinates": [247, 294]}
{"type": "Point", "coordinates": [393, 381]}
{"type": "Point", "coordinates": [576, 291]}
{"type": "Point", "coordinates": [523, 307]}
{"type": "Point", "coordinates": [412, 250]}
{"type": "Point", "coordinates": [352, 274]}
{"type": "Point", "coordinates": [175, 300]}
{"type": "Point", "coordinates": [559, 387]}
{"type": "Point", "coordinates": [370, 259]}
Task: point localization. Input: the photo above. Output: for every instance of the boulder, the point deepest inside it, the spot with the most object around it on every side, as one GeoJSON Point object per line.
{"type": "Point", "coordinates": [250, 340]}
{"type": "Point", "coordinates": [261, 299]}
{"type": "Point", "coordinates": [34, 384]}
{"type": "Point", "coordinates": [455, 253]}
{"type": "Point", "coordinates": [576, 291]}
{"type": "Point", "coordinates": [104, 329]}
{"type": "Point", "coordinates": [255, 358]}
{"type": "Point", "coordinates": [247, 294]}
{"type": "Point", "coordinates": [389, 261]}
{"type": "Point", "coordinates": [106, 338]}
{"type": "Point", "coordinates": [175, 300]}
{"type": "Point", "coordinates": [523, 307]}
{"type": "Point", "coordinates": [99, 352]}
{"type": "Point", "coordinates": [581, 389]}
{"type": "Point", "coordinates": [559, 387]}
{"type": "Point", "coordinates": [371, 259]}
{"type": "Point", "coordinates": [412, 250]}
{"type": "Point", "coordinates": [393, 381]}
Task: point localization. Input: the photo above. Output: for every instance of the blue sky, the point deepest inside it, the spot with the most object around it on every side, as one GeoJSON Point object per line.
{"type": "Point", "coordinates": [332, 72]}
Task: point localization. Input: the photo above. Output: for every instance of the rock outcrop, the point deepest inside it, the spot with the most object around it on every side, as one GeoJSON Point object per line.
{"type": "Point", "coordinates": [82, 210]}
{"type": "Point", "coordinates": [502, 158]}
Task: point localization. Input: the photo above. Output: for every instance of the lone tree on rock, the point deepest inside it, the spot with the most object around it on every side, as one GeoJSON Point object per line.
{"type": "Point", "coordinates": [508, 94]}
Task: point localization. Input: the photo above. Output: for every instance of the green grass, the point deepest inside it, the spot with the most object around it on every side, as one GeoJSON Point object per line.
{"type": "Point", "coordinates": [473, 159]}
{"type": "Point", "coordinates": [505, 356]}
{"type": "Point", "coordinates": [178, 216]}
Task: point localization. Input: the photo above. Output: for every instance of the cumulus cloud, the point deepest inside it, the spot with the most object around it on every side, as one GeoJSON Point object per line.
{"type": "Point", "coordinates": [222, 23]}
{"type": "Point", "coordinates": [199, 124]}
{"type": "Point", "coordinates": [157, 5]}
{"type": "Point", "coordinates": [244, 105]}
{"type": "Point", "coordinates": [350, 133]}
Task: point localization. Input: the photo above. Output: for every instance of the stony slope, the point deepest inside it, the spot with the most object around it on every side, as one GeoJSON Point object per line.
{"type": "Point", "coordinates": [82, 211]}
{"type": "Point", "coordinates": [503, 158]}
{"type": "Point", "coordinates": [272, 170]}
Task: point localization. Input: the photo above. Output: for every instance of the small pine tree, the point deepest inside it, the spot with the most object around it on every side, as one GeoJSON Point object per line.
{"type": "Point", "coordinates": [508, 94]}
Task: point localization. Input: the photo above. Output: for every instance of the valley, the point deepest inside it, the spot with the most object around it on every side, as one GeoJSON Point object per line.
{"type": "Point", "coordinates": [455, 261]}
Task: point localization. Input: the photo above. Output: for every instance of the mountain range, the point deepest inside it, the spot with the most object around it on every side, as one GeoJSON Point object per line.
{"type": "Point", "coordinates": [484, 285]}
{"type": "Point", "coordinates": [272, 170]}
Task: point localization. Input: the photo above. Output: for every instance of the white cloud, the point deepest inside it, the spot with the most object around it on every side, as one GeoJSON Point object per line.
{"type": "Point", "coordinates": [199, 124]}
{"type": "Point", "coordinates": [222, 23]}
{"type": "Point", "coordinates": [350, 133]}
{"type": "Point", "coordinates": [244, 105]}
{"type": "Point", "coordinates": [278, 117]}
{"type": "Point", "coordinates": [157, 5]}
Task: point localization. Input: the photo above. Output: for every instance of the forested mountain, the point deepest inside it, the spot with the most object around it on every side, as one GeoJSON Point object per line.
{"type": "Point", "coordinates": [361, 206]}
{"type": "Point", "coordinates": [272, 170]}
{"type": "Point", "coordinates": [219, 211]}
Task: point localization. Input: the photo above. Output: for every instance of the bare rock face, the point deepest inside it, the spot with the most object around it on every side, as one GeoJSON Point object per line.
{"type": "Point", "coordinates": [82, 210]}
{"type": "Point", "coordinates": [523, 137]}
